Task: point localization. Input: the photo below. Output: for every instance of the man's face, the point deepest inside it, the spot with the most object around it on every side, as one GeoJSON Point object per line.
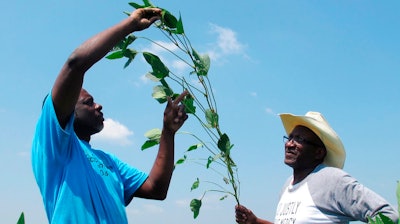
{"type": "Point", "coordinates": [88, 116]}
{"type": "Point", "coordinates": [303, 149]}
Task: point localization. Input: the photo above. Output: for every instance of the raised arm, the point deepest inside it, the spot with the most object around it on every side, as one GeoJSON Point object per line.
{"type": "Point", "coordinates": [69, 82]}
{"type": "Point", "coordinates": [157, 184]}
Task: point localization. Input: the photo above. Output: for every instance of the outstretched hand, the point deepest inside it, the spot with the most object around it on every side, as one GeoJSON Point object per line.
{"type": "Point", "coordinates": [144, 17]}
{"type": "Point", "coordinates": [174, 113]}
{"type": "Point", "coordinates": [244, 215]}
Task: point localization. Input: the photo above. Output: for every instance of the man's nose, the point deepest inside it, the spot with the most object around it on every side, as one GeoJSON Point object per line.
{"type": "Point", "coordinates": [98, 106]}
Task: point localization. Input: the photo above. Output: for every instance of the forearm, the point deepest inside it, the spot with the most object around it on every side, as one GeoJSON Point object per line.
{"type": "Point", "coordinates": [161, 173]}
{"type": "Point", "coordinates": [99, 45]}
{"type": "Point", "coordinates": [70, 79]}
{"type": "Point", "coordinates": [156, 186]}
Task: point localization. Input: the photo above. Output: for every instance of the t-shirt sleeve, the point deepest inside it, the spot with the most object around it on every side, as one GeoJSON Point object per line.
{"type": "Point", "coordinates": [361, 202]}
{"type": "Point", "coordinates": [132, 179]}
{"type": "Point", "coordinates": [50, 146]}
{"type": "Point", "coordinates": [345, 195]}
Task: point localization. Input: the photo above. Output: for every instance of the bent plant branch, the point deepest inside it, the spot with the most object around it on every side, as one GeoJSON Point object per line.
{"type": "Point", "coordinates": [201, 103]}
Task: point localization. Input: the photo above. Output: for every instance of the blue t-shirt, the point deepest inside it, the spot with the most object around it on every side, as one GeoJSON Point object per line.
{"type": "Point", "coordinates": [79, 184]}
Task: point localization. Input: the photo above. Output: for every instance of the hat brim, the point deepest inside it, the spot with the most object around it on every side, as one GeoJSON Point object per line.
{"type": "Point", "coordinates": [336, 154]}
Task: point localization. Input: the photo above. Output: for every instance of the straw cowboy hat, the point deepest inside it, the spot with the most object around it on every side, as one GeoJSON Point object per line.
{"type": "Point", "coordinates": [336, 154]}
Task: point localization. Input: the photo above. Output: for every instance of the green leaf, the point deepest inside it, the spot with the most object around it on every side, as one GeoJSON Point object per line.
{"type": "Point", "coordinates": [385, 219]}
{"type": "Point", "coordinates": [116, 55]}
{"type": "Point", "coordinates": [119, 46]}
{"type": "Point", "coordinates": [21, 219]}
{"type": "Point", "coordinates": [194, 147]}
{"type": "Point", "coordinates": [128, 40]}
{"type": "Point", "coordinates": [159, 69]}
{"type": "Point", "coordinates": [170, 24]}
{"type": "Point", "coordinates": [179, 26]}
{"type": "Point", "coordinates": [161, 93]}
{"type": "Point", "coordinates": [130, 54]}
{"type": "Point", "coordinates": [153, 134]}
{"type": "Point", "coordinates": [149, 143]}
{"type": "Point", "coordinates": [152, 77]}
{"type": "Point", "coordinates": [124, 43]}
{"type": "Point", "coordinates": [202, 63]}
{"type": "Point", "coordinates": [380, 219]}
{"type": "Point", "coordinates": [370, 221]}
{"type": "Point", "coordinates": [128, 62]}
{"type": "Point", "coordinates": [225, 196]}
{"type": "Point", "coordinates": [212, 118]}
{"type": "Point", "coordinates": [181, 160]}
{"type": "Point", "coordinates": [224, 144]}
{"type": "Point", "coordinates": [209, 161]}
{"type": "Point", "coordinates": [147, 3]}
{"type": "Point", "coordinates": [168, 19]}
{"type": "Point", "coordinates": [195, 184]}
{"type": "Point", "coordinates": [195, 205]}
{"type": "Point", "coordinates": [190, 108]}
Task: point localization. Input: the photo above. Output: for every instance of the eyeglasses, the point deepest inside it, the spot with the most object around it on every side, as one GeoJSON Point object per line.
{"type": "Point", "coordinates": [298, 140]}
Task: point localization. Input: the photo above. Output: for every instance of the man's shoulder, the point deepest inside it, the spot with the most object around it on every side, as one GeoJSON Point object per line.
{"type": "Point", "coordinates": [328, 173]}
{"type": "Point", "coordinates": [322, 168]}
{"type": "Point", "coordinates": [331, 179]}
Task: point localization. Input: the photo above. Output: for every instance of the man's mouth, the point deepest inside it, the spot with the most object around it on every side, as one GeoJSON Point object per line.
{"type": "Point", "coordinates": [100, 115]}
{"type": "Point", "coordinates": [290, 150]}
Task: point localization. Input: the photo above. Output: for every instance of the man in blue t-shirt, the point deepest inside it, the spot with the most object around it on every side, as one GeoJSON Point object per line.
{"type": "Point", "coordinates": [80, 184]}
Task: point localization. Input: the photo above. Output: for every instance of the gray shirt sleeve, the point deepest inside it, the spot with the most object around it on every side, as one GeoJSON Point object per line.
{"type": "Point", "coordinates": [343, 198]}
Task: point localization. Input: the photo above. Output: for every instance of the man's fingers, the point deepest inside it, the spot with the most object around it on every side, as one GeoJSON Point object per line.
{"type": "Point", "coordinates": [181, 97]}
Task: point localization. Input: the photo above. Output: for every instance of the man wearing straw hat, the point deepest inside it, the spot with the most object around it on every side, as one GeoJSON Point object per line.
{"type": "Point", "coordinates": [319, 191]}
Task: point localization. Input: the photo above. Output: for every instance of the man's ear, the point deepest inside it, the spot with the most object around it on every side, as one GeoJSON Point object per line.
{"type": "Point", "coordinates": [320, 153]}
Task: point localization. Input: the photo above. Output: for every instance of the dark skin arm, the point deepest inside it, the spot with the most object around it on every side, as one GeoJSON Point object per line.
{"type": "Point", "coordinates": [69, 82]}
{"type": "Point", "coordinates": [157, 184]}
{"type": "Point", "coordinates": [246, 216]}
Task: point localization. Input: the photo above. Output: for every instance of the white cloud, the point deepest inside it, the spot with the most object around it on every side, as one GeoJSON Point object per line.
{"type": "Point", "coordinates": [114, 132]}
{"type": "Point", "coordinates": [254, 94]}
{"type": "Point", "coordinates": [227, 43]}
{"type": "Point", "coordinates": [156, 49]}
{"type": "Point", "coordinates": [182, 202]}
{"type": "Point", "coordinates": [144, 79]}
{"type": "Point", "coordinates": [269, 111]}
{"type": "Point", "coordinates": [180, 66]}
{"type": "Point", "coordinates": [145, 209]}
{"type": "Point", "coordinates": [153, 209]}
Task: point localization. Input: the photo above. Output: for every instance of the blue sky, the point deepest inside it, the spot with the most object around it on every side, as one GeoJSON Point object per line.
{"type": "Point", "coordinates": [340, 58]}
